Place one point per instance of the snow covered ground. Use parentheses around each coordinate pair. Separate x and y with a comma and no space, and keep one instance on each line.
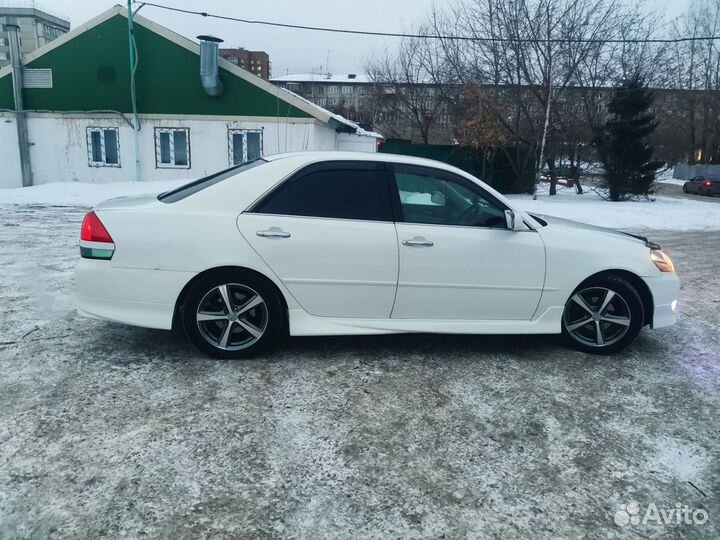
(664,213)
(82,193)
(112,431)
(666,177)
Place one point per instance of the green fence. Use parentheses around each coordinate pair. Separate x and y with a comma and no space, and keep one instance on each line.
(494,166)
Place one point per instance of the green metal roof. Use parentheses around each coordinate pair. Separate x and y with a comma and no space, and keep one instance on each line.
(90,68)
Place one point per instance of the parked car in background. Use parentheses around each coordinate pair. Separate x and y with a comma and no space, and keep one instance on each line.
(335,243)
(703,185)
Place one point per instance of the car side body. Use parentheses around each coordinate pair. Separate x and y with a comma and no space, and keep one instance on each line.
(702,185)
(339,276)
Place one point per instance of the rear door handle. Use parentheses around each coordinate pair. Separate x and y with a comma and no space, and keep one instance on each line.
(418,241)
(273,232)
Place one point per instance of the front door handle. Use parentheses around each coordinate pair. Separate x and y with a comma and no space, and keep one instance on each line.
(418,241)
(273,232)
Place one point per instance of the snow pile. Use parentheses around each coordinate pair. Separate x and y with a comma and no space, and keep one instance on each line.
(664,213)
(82,194)
(666,177)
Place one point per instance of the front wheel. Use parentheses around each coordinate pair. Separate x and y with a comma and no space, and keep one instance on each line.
(603,316)
(233,314)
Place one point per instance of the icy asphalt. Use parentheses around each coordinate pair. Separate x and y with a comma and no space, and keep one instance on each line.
(109,431)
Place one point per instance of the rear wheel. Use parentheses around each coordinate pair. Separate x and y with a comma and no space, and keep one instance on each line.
(603,316)
(685,190)
(233,314)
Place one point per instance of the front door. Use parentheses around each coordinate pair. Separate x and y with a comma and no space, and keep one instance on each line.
(327,233)
(458,260)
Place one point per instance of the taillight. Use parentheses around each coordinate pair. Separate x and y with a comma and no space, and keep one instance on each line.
(95,240)
(708,184)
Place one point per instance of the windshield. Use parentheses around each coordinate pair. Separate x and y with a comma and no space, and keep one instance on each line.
(198,185)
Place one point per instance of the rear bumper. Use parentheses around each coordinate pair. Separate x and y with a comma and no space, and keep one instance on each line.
(127,295)
(665,290)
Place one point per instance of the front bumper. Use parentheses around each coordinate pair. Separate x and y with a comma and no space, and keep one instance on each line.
(665,290)
(127,295)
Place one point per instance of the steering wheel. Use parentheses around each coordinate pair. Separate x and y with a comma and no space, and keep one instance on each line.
(466,215)
(481,218)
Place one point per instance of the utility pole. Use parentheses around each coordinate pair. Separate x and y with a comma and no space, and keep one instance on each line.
(20,118)
(133,68)
(546,124)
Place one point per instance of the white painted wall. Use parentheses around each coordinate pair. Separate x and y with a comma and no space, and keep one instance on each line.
(351,142)
(59,149)
(9,157)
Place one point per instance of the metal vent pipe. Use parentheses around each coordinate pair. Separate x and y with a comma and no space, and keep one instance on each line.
(209,76)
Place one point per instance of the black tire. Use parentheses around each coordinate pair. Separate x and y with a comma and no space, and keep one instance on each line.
(625,303)
(685,188)
(239,287)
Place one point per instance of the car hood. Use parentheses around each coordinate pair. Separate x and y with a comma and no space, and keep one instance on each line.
(569,223)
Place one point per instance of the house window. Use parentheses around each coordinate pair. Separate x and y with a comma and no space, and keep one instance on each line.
(347,89)
(51,31)
(3,56)
(362,90)
(244,145)
(172,148)
(332,90)
(233,59)
(103,147)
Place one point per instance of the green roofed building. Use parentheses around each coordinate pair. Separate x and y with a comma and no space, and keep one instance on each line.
(79,110)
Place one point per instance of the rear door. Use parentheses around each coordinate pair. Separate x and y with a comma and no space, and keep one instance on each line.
(328,234)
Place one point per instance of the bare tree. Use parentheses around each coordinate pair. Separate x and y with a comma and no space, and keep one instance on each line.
(694,66)
(406,91)
(528,54)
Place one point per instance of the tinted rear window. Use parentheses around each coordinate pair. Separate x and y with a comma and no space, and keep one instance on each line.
(198,185)
(343,190)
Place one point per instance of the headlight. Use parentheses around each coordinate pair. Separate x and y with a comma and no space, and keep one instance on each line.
(662,261)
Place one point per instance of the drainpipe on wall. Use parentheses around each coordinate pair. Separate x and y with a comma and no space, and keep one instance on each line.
(133,68)
(20,118)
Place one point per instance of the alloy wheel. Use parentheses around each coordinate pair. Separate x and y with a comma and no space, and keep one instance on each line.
(232,317)
(597,317)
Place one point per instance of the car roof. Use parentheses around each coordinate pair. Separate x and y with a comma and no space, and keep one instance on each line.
(337,155)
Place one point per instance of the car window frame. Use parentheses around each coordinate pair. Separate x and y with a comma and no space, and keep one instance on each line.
(386,206)
(442,175)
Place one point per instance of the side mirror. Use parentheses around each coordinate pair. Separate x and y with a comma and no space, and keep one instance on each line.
(511,222)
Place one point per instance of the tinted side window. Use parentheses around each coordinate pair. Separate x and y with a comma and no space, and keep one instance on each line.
(344,192)
(439,199)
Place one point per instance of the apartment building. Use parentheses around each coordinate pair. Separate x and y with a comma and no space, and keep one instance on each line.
(37,27)
(256,62)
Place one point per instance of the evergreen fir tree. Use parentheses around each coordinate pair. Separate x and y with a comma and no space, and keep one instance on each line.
(622,141)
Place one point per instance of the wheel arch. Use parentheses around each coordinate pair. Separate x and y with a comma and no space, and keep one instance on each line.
(636,281)
(179,303)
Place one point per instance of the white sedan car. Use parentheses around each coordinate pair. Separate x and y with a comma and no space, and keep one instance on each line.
(338,243)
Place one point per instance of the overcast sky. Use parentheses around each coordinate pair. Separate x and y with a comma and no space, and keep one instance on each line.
(293,51)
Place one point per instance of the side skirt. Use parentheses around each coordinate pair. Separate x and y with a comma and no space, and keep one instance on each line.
(303,324)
